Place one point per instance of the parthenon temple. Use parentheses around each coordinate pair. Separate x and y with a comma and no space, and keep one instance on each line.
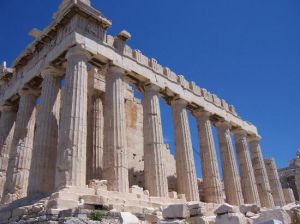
(71,127)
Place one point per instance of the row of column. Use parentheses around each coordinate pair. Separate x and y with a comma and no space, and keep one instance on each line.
(57,156)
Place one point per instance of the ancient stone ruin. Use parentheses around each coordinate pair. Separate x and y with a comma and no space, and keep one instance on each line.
(74,139)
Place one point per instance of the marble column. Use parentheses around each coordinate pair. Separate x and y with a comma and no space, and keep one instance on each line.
(248,183)
(260,173)
(7,125)
(95,153)
(72,137)
(232,184)
(185,166)
(115,165)
(288,195)
(212,186)
(274,181)
(154,171)
(21,148)
(42,175)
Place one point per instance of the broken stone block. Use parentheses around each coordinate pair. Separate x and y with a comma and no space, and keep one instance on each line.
(173,222)
(231,218)
(128,218)
(152,218)
(196,209)
(197,220)
(276,214)
(181,196)
(225,209)
(174,211)
(98,184)
(249,208)
(136,190)
(272,222)
(173,194)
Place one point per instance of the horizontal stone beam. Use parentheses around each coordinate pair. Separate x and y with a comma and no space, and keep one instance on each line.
(106,53)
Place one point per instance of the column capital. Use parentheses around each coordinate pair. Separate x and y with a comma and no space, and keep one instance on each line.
(78,51)
(52,71)
(222,124)
(179,101)
(203,114)
(254,138)
(151,86)
(239,132)
(113,69)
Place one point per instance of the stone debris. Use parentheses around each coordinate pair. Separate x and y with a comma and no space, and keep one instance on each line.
(275,214)
(128,218)
(196,208)
(54,149)
(176,211)
(249,208)
(231,218)
(225,209)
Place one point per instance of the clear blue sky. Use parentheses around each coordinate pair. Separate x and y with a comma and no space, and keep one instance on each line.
(247,52)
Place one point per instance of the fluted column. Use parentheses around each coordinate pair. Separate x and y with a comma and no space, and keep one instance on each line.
(7,123)
(275,184)
(71,155)
(289,195)
(115,167)
(154,171)
(42,176)
(212,186)
(232,184)
(248,183)
(185,166)
(21,148)
(97,126)
(260,173)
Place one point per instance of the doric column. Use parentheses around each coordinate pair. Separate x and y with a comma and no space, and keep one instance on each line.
(21,148)
(71,155)
(289,195)
(42,175)
(154,171)
(232,184)
(95,153)
(185,166)
(275,184)
(115,167)
(260,173)
(7,123)
(248,183)
(212,186)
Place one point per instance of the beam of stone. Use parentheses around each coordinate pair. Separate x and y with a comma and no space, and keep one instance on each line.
(248,183)
(288,195)
(7,125)
(154,171)
(21,148)
(185,166)
(95,153)
(212,186)
(71,155)
(115,165)
(42,175)
(260,173)
(232,184)
(275,184)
